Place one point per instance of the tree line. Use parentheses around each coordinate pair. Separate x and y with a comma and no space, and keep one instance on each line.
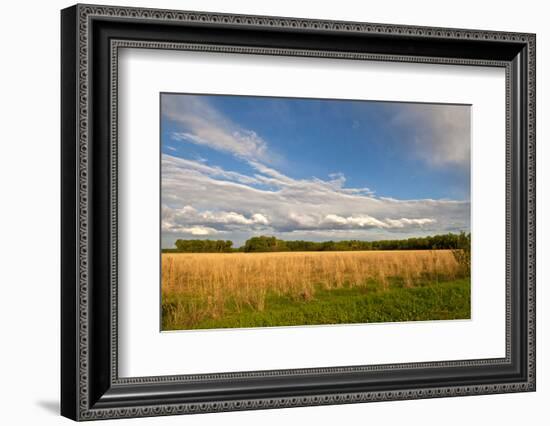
(202,246)
(261,244)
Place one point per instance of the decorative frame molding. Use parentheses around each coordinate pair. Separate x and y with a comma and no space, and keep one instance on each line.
(91,37)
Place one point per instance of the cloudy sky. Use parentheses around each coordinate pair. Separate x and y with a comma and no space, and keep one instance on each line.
(238,166)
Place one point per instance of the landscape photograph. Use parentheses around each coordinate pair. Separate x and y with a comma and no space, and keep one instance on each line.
(300,212)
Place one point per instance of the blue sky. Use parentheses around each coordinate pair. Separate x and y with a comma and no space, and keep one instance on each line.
(237,166)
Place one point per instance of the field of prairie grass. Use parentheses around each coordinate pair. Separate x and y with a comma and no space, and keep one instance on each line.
(220,290)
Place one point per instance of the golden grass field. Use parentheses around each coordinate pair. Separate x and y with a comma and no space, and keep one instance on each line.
(208,285)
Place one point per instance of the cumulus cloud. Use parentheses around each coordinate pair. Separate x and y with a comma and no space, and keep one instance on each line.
(213,200)
(196,231)
(401,223)
(188,220)
(440,133)
(365,221)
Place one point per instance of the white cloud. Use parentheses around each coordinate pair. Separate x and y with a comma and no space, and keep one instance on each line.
(260,219)
(232,218)
(440,133)
(365,221)
(200,199)
(362,221)
(202,125)
(201,168)
(184,220)
(401,223)
(197,194)
(196,231)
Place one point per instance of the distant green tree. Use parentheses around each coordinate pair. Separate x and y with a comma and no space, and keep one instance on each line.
(264,244)
(459,243)
(463,252)
(204,246)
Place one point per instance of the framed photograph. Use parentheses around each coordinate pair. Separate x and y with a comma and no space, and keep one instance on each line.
(263,212)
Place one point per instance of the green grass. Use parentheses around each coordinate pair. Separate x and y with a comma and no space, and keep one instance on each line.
(366,304)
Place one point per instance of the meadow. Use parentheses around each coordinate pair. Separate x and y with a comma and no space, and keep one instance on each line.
(220,290)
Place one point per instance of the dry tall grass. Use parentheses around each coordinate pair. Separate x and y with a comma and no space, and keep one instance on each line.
(206,284)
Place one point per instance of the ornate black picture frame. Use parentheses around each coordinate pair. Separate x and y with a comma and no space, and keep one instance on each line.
(91,387)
